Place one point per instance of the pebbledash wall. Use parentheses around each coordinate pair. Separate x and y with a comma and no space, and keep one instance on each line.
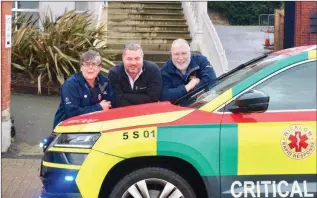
(5,81)
(303,10)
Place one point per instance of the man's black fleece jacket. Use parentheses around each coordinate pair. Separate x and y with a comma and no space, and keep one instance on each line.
(147,88)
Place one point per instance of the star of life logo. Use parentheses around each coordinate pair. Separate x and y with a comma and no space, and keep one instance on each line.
(298,141)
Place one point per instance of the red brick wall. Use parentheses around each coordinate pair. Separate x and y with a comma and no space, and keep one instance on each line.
(5,59)
(302,30)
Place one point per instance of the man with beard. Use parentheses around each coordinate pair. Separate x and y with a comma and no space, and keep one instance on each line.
(135,81)
(185,72)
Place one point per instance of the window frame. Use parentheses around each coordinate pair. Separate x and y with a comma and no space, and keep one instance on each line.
(16,10)
(261,81)
(81,11)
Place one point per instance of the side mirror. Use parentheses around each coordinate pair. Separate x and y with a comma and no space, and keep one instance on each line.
(252,101)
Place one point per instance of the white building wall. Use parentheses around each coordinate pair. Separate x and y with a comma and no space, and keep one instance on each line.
(57,8)
(94,7)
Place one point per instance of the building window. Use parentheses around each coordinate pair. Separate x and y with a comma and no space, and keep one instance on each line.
(81,6)
(26,8)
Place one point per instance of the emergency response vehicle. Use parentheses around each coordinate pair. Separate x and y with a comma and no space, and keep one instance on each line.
(252,133)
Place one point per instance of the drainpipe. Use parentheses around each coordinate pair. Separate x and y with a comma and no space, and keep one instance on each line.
(289,24)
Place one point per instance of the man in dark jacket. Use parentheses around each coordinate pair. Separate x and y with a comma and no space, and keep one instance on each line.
(85,92)
(185,72)
(135,81)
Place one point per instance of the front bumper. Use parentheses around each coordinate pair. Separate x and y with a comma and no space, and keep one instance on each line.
(59,170)
(45,194)
(75,171)
(81,175)
(59,182)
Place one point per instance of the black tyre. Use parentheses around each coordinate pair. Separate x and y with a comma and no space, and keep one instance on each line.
(152,183)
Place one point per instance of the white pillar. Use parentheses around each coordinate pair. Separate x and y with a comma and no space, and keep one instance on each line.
(5,130)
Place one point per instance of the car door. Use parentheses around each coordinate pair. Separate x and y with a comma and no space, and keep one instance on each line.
(273,153)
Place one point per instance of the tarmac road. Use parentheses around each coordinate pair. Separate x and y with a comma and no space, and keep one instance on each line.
(33,119)
(241,43)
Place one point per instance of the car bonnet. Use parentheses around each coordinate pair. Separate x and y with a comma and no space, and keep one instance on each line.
(124,117)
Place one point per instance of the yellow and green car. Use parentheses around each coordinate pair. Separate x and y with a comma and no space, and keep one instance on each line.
(252,133)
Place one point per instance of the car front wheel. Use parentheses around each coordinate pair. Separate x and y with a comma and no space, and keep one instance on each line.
(152,183)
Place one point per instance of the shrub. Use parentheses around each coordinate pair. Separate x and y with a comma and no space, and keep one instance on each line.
(244,12)
(52,54)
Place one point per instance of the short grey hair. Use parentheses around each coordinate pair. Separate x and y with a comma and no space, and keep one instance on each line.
(90,55)
(132,47)
(180,43)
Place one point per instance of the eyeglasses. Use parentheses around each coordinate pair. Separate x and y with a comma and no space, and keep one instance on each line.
(93,64)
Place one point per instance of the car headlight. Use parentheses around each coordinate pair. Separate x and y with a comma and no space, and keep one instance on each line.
(76,140)
(47,141)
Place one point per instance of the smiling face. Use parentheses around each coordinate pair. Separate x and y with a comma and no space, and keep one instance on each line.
(180,56)
(133,61)
(90,69)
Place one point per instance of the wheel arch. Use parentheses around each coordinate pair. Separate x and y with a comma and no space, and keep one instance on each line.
(188,172)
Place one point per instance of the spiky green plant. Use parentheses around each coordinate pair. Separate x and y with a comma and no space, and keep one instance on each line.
(22,57)
(52,54)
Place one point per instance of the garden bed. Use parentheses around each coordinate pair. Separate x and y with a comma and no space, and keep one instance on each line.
(21,83)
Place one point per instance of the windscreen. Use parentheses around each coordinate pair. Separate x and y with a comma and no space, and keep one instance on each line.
(215,89)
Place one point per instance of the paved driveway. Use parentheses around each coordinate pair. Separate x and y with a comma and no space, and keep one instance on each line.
(20,178)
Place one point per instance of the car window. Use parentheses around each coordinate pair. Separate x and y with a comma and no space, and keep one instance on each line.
(215,89)
(292,89)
